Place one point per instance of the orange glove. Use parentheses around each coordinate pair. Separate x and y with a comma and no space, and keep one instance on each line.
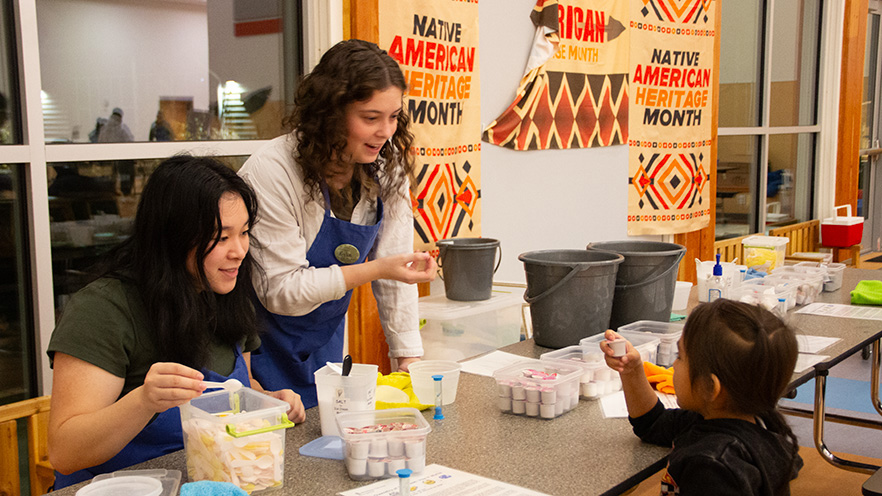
(660,378)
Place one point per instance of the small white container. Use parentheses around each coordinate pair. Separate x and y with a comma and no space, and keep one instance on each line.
(681,295)
(834,274)
(335,393)
(424,386)
(385,431)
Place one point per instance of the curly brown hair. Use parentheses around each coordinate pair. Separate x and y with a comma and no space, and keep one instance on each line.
(350,71)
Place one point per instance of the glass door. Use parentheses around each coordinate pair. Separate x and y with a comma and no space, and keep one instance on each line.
(869,203)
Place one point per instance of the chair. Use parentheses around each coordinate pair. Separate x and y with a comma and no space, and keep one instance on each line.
(42,475)
(730,249)
(873,486)
(805,237)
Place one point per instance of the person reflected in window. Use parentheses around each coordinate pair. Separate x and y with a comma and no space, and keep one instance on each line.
(93,134)
(160,130)
(115,131)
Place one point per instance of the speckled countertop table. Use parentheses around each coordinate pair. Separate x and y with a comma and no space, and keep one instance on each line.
(579,452)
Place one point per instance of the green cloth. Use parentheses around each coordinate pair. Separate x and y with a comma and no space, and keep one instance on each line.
(105,324)
(867,293)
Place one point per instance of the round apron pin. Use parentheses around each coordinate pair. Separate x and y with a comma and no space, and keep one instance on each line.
(346,254)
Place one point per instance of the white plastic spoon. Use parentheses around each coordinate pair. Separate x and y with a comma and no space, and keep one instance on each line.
(231,385)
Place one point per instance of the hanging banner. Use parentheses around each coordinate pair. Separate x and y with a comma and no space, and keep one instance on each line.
(436,44)
(574,93)
(672,60)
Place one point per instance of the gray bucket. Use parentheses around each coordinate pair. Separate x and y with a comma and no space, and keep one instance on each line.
(468,267)
(570,293)
(646,280)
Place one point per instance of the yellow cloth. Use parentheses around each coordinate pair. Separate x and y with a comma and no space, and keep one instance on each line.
(660,378)
(399,380)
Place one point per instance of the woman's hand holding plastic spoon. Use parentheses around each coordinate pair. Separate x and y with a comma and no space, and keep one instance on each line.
(231,385)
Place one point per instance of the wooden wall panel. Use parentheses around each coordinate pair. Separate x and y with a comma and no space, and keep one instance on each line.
(851,93)
(700,244)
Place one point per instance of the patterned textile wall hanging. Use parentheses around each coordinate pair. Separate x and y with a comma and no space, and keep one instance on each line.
(672,60)
(574,93)
(436,44)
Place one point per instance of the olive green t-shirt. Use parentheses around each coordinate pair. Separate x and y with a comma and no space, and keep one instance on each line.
(105,324)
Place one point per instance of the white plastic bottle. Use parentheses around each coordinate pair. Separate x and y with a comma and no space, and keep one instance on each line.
(716,284)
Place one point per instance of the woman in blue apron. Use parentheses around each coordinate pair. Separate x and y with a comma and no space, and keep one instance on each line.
(336,213)
(170,310)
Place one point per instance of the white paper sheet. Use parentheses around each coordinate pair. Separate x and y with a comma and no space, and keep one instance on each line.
(491,362)
(440,480)
(844,311)
(805,361)
(814,344)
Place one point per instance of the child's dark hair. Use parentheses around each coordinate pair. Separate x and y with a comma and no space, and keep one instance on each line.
(752,353)
(179,214)
(350,71)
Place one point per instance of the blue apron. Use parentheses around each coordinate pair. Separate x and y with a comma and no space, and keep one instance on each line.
(294,347)
(161,436)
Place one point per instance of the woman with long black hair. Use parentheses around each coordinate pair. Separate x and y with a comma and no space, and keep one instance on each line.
(170,309)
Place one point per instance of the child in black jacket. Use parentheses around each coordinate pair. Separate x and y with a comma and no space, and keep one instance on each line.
(735,361)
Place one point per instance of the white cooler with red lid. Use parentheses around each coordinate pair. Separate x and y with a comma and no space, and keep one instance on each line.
(842,231)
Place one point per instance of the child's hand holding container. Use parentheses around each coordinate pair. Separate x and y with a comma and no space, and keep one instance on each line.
(619,354)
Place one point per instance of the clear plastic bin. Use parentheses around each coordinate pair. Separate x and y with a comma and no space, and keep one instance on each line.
(766,293)
(808,285)
(668,334)
(646,344)
(236,437)
(537,388)
(596,380)
(834,274)
(378,443)
(764,252)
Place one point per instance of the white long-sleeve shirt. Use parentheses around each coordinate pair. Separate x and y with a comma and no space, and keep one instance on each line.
(288,222)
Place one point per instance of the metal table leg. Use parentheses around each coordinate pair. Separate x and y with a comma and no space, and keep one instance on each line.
(820,394)
(874,380)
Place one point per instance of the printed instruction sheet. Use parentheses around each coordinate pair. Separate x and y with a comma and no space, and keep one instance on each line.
(440,480)
(844,311)
(491,362)
(813,344)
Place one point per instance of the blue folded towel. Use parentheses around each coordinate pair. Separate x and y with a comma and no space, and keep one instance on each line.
(211,488)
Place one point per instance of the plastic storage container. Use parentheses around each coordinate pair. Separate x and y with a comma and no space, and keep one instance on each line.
(646,344)
(808,284)
(537,388)
(156,482)
(455,330)
(380,442)
(764,252)
(335,393)
(834,276)
(766,293)
(596,380)
(668,334)
(236,437)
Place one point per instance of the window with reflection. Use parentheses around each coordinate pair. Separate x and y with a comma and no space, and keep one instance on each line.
(17,369)
(789,189)
(161,70)
(736,185)
(796,38)
(741,58)
(92,208)
(10,112)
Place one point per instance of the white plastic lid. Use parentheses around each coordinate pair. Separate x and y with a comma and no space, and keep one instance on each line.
(134,485)
(765,241)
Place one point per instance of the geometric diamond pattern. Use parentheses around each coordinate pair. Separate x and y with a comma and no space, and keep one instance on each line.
(444,202)
(669,181)
(565,110)
(686,12)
